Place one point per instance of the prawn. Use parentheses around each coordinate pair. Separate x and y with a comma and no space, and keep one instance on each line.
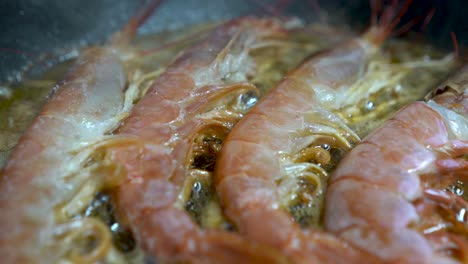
(390,195)
(155,146)
(43,171)
(280,153)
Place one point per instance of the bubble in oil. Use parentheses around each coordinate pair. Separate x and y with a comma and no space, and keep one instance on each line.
(247,100)
(398,88)
(458,188)
(461,215)
(326,146)
(5,92)
(102,208)
(369,105)
(197,187)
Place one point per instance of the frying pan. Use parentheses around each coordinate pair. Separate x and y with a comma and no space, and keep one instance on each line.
(31,28)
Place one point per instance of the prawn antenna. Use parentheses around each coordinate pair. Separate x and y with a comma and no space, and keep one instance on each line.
(428,19)
(406,26)
(322,16)
(390,17)
(414,21)
(315,6)
(130,30)
(376,8)
(455,46)
(273,9)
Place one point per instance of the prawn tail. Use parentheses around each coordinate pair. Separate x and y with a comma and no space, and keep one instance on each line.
(130,29)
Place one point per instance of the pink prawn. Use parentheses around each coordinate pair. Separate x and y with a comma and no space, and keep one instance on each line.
(36,178)
(277,154)
(155,146)
(388,195)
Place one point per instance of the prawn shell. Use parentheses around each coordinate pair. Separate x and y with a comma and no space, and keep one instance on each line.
(32,182)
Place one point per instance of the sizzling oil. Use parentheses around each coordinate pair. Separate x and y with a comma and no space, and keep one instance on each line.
(20,103)
(373,111)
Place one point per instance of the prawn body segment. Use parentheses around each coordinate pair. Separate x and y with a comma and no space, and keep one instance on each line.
(387,195)
(190,98)
(45,175)
(78,112)
(279,155)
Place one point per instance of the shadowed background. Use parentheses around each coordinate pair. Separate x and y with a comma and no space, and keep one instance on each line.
(29,28)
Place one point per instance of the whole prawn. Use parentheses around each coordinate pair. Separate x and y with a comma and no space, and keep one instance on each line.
(155,146)
(38,176)
(281,151)
(389,194)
